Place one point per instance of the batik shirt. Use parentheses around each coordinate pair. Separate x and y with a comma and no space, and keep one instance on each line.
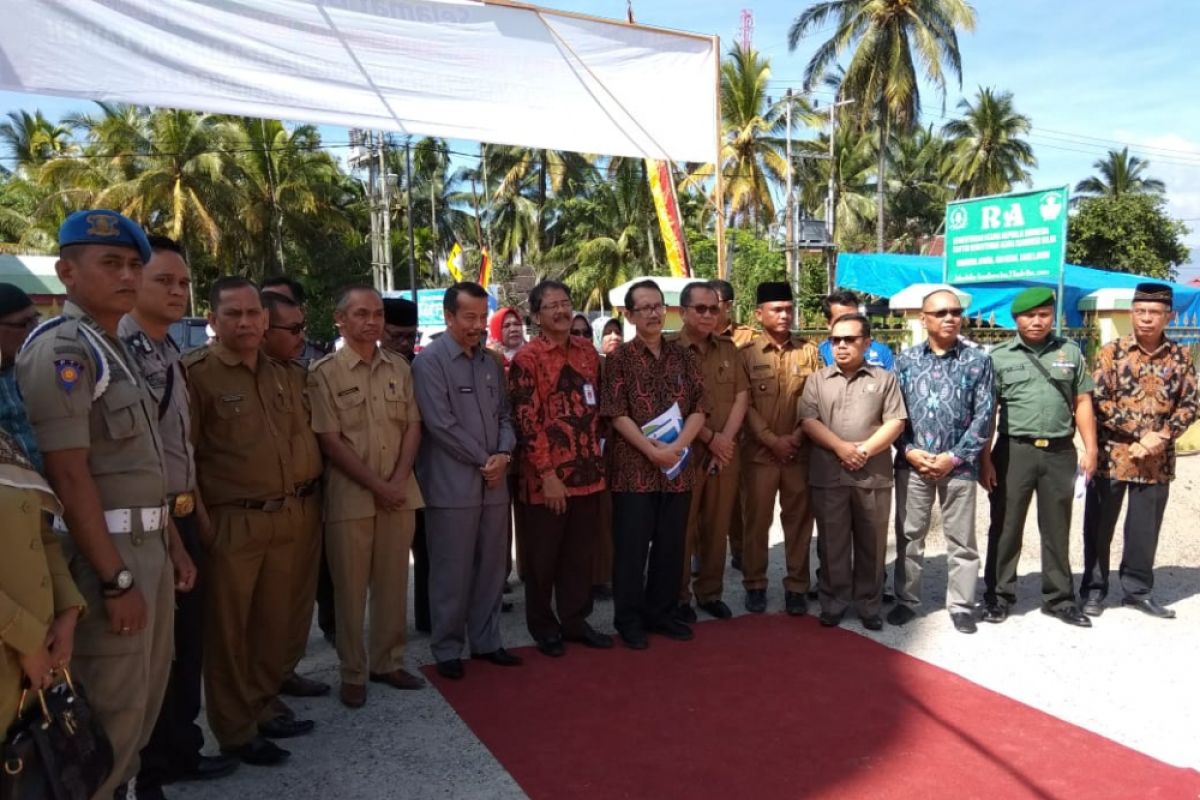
(14,419)
(950,400)
(1136,393)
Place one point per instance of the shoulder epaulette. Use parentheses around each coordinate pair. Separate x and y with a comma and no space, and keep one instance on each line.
(314,365)
(192,357)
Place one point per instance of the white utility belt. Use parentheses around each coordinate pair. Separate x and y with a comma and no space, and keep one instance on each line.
(120,520)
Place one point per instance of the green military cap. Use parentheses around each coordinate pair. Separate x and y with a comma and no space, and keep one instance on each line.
(1031,298)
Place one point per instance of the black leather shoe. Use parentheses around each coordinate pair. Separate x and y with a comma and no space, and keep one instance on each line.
(901,615)
(1148,605)
(284,728)
(716,609)
(888,598)
(500,657)
(634,640)
(795,603)
(592,638)
(210,767)
(874,623)
(601,592)
(1093,606)
(995,613)
(685,613)
(452,669)
(673,629)
(963,622)
(756,600)
(1069,614)
(829,619)
(506,607)
(552,646)
(736,563)
(259,752)
(299,686)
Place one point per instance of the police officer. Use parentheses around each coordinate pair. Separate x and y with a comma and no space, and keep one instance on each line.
(776,457)
(174,749)
(245,412)
(366,420)
(96,426)
(1043,391)
(726,398)
(284,342)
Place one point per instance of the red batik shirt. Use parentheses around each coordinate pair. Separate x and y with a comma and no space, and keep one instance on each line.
(555,394)
(639,386)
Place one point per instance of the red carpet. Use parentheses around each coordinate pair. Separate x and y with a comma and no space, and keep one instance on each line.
(772,707)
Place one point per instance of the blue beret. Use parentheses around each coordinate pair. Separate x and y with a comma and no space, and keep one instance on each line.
(1031,298)
(101,226)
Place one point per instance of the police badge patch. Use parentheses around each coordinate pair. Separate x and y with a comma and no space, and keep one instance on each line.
(69,371)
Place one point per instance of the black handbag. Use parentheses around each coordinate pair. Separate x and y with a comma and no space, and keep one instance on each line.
(55,748)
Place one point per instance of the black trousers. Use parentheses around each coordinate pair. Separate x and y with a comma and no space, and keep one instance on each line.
(420,551)
(1143,520)
(649,530)
(175,745)
(557,557)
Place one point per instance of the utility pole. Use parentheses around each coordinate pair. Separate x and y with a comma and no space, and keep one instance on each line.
(790,245)
(412,247)
(831,199)
(387,282)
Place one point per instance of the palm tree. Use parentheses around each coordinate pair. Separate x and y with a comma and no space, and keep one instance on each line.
(32,140)
(538,175)
(1120,173)
(917,187)
(853,167)
(882,77)
(752,129)
(989,153)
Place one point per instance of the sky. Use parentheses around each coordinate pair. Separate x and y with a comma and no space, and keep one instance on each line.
(1092,75)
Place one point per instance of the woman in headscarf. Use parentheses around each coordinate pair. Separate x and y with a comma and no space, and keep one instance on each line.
(580,326)
(39,602)
(611,336)
(506,333)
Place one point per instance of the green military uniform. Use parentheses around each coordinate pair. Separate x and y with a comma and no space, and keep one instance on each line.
(1035,451)
(243,424)
(83,391)
(35,585)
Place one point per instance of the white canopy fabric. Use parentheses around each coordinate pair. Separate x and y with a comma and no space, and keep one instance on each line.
(485,71)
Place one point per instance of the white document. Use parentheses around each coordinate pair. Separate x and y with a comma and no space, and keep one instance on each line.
(666,428)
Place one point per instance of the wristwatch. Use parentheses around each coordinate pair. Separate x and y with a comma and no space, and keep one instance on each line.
(121,583)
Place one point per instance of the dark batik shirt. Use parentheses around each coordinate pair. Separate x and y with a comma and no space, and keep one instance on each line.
(639,386)
(14,419)
(555,395)
(950,401)
(1138,392)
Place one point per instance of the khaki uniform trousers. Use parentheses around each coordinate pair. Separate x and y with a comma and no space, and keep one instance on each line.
(370,556)
(125,676)
(247,617)
(853,547)
(713,499)
(762,482)
(306,567)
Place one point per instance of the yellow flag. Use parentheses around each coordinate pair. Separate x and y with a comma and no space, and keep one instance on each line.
(454,263)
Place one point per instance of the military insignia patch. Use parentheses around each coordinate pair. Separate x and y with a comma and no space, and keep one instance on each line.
(69,372)
(103,225)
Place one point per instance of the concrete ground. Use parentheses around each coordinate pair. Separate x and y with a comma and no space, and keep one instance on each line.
(1130,678)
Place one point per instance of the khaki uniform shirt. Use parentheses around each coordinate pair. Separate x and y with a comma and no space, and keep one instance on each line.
(741,335)
(307,461)
(777,376)
(372,406)
(158,363)
(243,423)
(724,375)
(853,407)
(83,391)
(1029,405)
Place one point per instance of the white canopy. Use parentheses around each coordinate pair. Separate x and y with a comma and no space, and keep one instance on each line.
(493,71)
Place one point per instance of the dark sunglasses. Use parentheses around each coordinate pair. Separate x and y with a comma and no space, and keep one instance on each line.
(942,313)
(836,340)
(705,311)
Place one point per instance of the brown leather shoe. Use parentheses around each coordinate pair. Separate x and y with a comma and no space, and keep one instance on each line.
(299,686)
(354,695)
(398,679)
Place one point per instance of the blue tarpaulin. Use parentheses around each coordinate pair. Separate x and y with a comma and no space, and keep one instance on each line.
(885,274)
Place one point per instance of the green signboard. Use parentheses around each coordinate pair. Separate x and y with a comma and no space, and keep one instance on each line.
(1009,237)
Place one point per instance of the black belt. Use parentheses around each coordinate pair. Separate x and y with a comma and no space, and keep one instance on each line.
(1045,442)
(275,504)
(307,489)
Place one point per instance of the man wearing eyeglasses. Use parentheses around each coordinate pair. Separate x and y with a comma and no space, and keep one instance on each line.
(778,365)
(726,397)
(853,412)
(18,317)
(285,343)
(947,388)
(1145,399)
